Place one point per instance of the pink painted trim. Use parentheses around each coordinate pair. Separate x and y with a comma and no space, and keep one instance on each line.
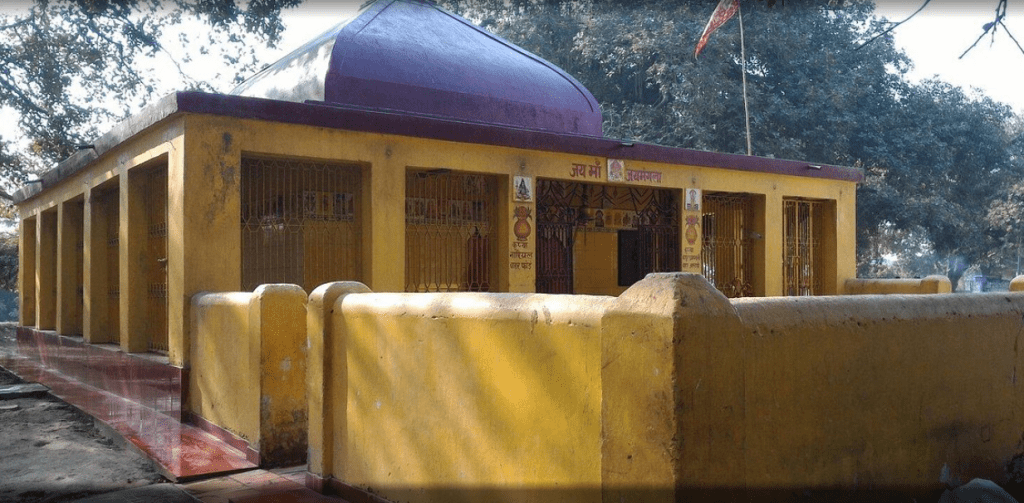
(351,493)
(251,455)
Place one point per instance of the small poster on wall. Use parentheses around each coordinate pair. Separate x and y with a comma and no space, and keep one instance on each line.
(522,189)
(616,168)
(692,199)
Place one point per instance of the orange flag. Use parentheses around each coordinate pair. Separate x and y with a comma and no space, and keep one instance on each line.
(726,9)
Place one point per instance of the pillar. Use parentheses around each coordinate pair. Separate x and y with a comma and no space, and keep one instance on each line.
(46,270)
(27,273)
(100,213)
(69,267)
(132,256)
(204,234)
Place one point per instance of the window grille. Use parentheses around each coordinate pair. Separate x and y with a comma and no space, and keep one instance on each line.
(558,205)
(450,222)
(300,222)
(802,248)
(727,248)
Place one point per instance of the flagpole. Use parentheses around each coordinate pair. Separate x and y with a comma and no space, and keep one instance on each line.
(743,57)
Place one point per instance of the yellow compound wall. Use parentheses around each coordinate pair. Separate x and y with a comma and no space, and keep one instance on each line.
(668,391)
(249,368)
(461,397)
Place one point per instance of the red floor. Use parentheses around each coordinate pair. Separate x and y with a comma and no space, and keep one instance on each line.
(150,420)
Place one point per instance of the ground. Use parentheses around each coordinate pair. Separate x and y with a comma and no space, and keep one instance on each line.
(51,452)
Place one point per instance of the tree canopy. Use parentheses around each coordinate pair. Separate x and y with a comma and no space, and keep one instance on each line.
(68,66)
(937,160)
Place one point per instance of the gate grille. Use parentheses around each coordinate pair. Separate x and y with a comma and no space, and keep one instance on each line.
(802,260)
(300,222)
(156,213)
(726,252)
(646,220)
(450,221)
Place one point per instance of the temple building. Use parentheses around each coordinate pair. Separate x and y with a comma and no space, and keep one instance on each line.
(412,151)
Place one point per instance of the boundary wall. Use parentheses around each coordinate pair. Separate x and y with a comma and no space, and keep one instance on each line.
(456,397)
(929,284)
(668,392)
(249,369)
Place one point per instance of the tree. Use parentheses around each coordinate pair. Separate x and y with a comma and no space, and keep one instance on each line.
(934,158)
(69,66)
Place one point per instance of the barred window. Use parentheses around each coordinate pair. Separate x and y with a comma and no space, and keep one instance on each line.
(301,222)
(450,231)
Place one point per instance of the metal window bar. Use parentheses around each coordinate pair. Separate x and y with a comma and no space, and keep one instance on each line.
(558,205)
(727,248)
(659,232)
(450,231)
(802,238)
(155,186)
(300,222)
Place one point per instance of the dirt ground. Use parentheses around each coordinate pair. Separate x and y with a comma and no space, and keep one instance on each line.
(51,452)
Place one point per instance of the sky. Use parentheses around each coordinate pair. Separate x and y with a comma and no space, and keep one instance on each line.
(935,39)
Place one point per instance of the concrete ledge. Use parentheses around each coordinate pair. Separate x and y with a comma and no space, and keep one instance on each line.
(926,285)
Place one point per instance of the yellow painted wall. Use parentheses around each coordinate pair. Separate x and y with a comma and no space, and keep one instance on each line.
(783,396)
(46,270)
(110,172)
(596,261)
(929,284)
(468,397)
(326,375)
(672,375)
(249,368)
(670,391)
(390,156)
(223,383)
(202,155)
(278,315)
(69,267)
(27,272)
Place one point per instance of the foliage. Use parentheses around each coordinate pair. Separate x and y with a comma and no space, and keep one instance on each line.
(8,262)
(935,158)
(65,63)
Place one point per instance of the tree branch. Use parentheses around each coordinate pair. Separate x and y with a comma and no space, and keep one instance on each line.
(21,95)
(1000,14)
(1011,36)
(15,24)
(893,27)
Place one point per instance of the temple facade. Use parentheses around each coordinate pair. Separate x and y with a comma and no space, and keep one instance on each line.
(412,151)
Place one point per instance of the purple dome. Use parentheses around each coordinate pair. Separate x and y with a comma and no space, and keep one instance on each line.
(411,56)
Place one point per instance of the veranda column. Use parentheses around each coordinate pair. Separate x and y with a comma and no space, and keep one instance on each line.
(132,255)
(27,272)
(69,267)
(46,270)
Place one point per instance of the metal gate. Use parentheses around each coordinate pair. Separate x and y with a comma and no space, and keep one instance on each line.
(726,252)
(300,222)
(802,263)
(645,219)
(558,214)
(450,222)
(155,188)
